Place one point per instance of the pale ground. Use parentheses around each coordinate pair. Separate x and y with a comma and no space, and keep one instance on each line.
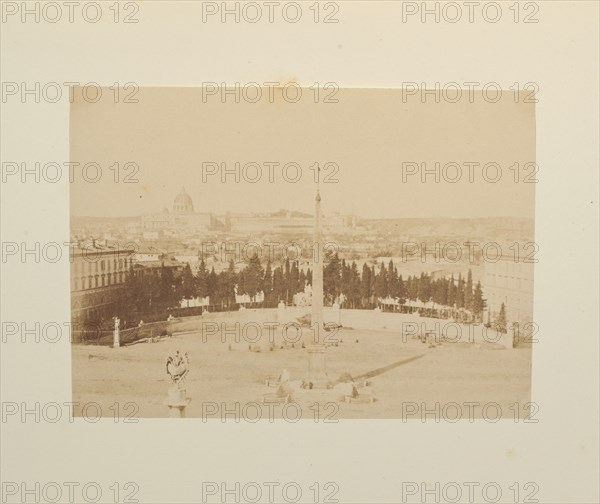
(221,379)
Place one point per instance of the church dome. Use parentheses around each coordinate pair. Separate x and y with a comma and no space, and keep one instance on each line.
(183,203)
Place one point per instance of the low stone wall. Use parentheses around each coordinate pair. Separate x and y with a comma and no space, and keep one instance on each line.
(406,326)
(412,325)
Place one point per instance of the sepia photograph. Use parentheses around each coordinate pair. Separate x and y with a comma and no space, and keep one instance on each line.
(299,252)
(356,251)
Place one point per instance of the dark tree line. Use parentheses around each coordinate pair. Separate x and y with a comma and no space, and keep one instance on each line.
(277,283)
(362,288)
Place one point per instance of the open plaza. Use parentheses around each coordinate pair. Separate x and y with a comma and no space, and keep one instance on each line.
(414,368)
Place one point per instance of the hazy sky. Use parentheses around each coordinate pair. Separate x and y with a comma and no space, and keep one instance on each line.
(369,134)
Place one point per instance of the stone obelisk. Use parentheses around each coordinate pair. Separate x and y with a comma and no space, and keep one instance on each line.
(317,275)
(316,352)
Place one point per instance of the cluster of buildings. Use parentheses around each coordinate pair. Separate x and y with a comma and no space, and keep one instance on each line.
(99,270)
(183,221)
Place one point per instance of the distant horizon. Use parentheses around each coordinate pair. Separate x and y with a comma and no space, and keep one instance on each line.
(499,217)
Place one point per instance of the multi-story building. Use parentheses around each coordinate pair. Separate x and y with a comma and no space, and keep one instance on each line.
(146,269)
(147,254)
(510,282)
(98,275)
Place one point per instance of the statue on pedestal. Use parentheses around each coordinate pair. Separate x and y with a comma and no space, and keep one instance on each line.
(116,335)
(177,367)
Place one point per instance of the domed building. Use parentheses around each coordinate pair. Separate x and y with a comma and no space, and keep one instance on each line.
(182,221)
(183,203)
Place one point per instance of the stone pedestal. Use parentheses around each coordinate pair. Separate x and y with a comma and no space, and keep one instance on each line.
(316,367)
(116,338)
(177,401)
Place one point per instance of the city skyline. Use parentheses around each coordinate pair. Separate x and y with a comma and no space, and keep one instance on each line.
(293,211)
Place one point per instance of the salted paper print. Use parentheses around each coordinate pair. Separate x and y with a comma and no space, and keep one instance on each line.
(303,253)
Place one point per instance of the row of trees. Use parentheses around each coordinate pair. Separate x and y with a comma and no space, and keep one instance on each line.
(361,289)
(144,294)
(147,293)
(277,283)
(381,281)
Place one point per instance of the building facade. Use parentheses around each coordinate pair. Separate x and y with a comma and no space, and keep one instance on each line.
(510,282)
(98,276)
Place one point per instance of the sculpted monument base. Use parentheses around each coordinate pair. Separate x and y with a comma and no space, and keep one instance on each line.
(177,401)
